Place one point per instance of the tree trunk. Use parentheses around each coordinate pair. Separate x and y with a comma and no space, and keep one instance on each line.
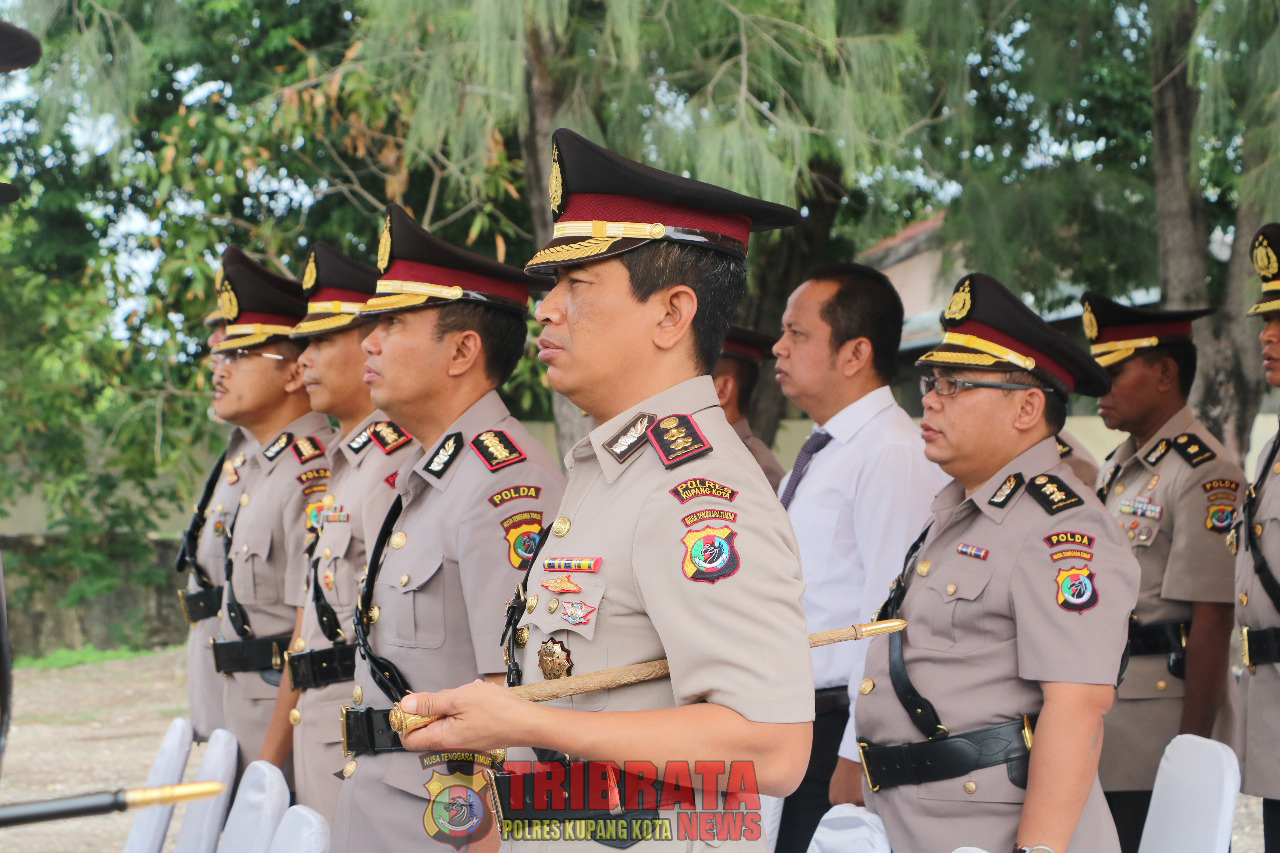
(1183,235)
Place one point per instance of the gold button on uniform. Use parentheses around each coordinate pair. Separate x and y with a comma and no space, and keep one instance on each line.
(244,549)
(1276,468)
(299,644)
(560,526)
(244,500)
(530,604)
(398,539)
(404,580)
(951,589)
(327,553)
(1119,488)
(374,612)
(329,500)
(522,636)
(1257,530)
(1161,684)
(295,716)
(218,508)
(348,769)
(970,787)
(922,568)
(552,605)
(357,694)
(1244,599)
(866,686)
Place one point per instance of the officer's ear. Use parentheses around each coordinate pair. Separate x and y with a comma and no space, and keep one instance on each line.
(854,356)
(292,376)
(726,387)
(679,303)
(466,351)
(1029,413)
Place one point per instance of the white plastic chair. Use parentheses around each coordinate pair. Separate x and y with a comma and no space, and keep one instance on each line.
(968,850)
(1194,798)
(303,830)
(150,824)
(259,805)
(204,818)
(847,828)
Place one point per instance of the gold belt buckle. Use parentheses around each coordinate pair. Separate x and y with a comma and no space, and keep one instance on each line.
(346,753)
(1244,649)
(182,603)
(1026,731)
(866,772)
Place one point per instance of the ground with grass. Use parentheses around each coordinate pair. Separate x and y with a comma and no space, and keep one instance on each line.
(96,726)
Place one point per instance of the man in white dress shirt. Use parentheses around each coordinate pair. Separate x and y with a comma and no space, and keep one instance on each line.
(858,496)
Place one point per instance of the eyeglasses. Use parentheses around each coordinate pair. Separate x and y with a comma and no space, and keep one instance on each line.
(218,359)
(949,386)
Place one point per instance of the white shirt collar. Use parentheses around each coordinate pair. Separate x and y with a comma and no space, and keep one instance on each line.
(847,422)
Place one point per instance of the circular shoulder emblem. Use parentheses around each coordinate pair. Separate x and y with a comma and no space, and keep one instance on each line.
(961,302)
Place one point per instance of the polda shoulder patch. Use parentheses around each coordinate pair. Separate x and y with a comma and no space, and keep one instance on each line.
(275,448)
(389,437)
(496,449)
(1192,449)
(677,440)
(1053,494)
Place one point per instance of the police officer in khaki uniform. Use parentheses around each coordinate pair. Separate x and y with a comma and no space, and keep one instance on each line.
(450,330)
(258,387)
(1017,598)
(201,554)
(360,488)
(669,541)
(1256,543)
(735,377)
(1174,491)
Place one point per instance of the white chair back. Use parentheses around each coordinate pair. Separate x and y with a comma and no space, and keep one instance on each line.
(259,804)
(1194,798)
(303,830)
(968,850)
(204,818)
(847,828)
(146,835)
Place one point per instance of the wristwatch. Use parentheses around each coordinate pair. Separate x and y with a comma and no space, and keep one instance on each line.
(1039,848)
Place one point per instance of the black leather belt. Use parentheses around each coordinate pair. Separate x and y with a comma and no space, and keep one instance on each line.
(1259,645)
(366,730)
(321,667)
(948,757)
(198,606)
(256,654)
(1163,638)
(830,700)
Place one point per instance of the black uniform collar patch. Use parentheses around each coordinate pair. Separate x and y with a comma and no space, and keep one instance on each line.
(444,455)
(1007,490)
(275,448)
(361,439)
(389,437)
(1157,453)
(496,449)
(677,440)
(629,439)
(1053,494)
(1064,449)
(308,448)
(1192,449)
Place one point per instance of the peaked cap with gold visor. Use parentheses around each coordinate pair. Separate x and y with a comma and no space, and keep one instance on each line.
(986,327)
(605,204)
(259,306)
(1264,249)
(1117,332)
(337,289)
(419,270)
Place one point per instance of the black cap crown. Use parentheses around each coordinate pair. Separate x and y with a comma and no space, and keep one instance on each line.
(1264,249)
(257,305)
(337,288)
(1116,332)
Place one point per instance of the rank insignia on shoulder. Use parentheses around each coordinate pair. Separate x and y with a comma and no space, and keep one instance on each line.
(361,439)
(308,448)
(972,551)
(627,440)
(677,440)
(389,437)
(444,455)
(277,447)
(1157,453)
(1064,449)
(1077,591)
(1053,494)
(496,449)
(1192,449)
(1007,490)
(1221,518)
(711,554)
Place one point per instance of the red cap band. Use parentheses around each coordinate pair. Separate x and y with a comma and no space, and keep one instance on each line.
(1176,329)
(995,336)
(401,270)
(625,208)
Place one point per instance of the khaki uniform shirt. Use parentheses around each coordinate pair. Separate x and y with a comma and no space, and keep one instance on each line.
(204,683)
(696,564)
(1257,694)
(1023,583)
(450,566)
(283,484)
(361,487)
(1174,498)
(769,464)
(1082,463)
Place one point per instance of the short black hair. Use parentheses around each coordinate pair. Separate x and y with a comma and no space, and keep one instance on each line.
(290,348)
(1183,354)
(502,334)
(1055,402)
(865,305)
(718,279)
(745,373)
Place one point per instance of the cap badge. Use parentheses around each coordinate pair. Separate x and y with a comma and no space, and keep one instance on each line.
(960,303)
(1264,259)
(555,184)
(309,274)
(384,246)
(227,302)
(1090,323)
